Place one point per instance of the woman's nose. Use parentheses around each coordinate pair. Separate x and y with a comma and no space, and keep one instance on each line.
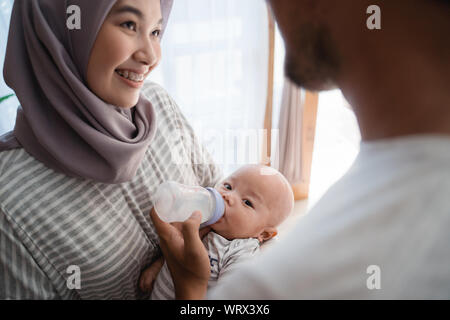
(148,54)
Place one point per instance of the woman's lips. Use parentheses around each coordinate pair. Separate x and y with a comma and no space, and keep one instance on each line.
(130,83)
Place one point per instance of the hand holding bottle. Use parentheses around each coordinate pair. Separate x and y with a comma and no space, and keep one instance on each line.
(185,254)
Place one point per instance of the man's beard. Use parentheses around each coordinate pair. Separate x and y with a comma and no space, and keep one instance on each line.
(312,61)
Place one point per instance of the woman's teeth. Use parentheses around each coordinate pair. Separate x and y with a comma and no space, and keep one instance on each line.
(131,75)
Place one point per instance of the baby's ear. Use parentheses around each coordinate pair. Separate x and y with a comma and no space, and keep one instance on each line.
(267,234)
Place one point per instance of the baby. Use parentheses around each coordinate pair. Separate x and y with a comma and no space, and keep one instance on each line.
(257,199)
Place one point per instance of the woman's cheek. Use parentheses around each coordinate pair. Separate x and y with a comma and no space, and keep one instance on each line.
(120,50)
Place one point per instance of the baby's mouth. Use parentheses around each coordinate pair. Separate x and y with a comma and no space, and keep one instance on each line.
(223,216)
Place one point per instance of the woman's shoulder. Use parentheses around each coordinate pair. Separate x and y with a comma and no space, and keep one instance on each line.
(164,105)
(169,116)
(155,93)
(19,169)
(15,160)
(25,180)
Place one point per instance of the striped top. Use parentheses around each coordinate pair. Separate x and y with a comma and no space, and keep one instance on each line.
(224,255)
(71,238)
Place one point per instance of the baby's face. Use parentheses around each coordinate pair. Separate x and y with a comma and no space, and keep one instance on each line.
(251,198)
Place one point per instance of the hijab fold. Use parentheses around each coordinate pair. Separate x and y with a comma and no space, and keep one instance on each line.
(60,121)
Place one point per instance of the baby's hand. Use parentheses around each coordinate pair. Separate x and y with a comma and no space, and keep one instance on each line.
(148,276)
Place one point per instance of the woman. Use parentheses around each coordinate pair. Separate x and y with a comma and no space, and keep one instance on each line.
(88,149)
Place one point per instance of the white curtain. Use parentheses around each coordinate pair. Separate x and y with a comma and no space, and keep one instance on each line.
(288,158)
(287,119)
(215,60)
(8,107)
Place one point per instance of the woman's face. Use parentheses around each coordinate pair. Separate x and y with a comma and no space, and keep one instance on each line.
(126,50)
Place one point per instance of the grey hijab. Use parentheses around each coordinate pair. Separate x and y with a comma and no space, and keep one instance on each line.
(60,121)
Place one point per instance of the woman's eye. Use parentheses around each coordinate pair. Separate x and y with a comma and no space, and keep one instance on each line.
(227,186)
(248,203)
(156,33)
(129,25)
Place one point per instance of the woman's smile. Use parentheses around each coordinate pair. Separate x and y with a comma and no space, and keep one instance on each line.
(130,78)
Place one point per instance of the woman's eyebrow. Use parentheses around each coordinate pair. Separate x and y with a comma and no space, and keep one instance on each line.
(130,9)
(135,11)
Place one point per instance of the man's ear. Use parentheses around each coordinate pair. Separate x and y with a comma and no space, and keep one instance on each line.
(267,234)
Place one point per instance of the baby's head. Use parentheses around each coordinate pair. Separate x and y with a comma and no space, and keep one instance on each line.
(257,199)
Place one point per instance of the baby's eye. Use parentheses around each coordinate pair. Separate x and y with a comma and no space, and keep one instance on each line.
(131,25)
(248,203)
(227,186)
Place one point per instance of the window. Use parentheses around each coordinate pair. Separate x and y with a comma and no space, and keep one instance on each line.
(8,107)
(215,67)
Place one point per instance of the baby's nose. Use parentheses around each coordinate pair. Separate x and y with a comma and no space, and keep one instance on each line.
(228,198)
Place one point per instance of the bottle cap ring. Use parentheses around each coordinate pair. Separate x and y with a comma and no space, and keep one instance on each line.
(218,210)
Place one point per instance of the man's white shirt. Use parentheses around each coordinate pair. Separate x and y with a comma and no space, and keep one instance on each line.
(381,232)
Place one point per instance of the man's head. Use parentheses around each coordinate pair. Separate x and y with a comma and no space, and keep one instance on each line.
(257,199)
(324,37)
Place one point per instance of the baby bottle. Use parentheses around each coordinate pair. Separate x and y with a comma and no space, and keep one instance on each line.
(176,202)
